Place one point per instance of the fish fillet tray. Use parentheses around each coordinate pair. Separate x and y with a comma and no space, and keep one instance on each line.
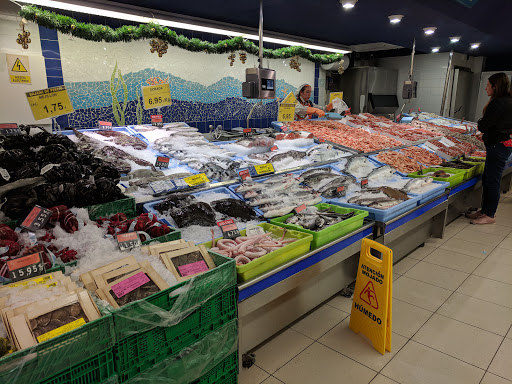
(381,215)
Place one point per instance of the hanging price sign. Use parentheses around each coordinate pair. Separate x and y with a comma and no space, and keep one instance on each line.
(49,102)
(9,129)
(162,162)
(335,95)
(229,229)
(286,112)
(156,96)
(105,125)
(36,219)
(128,240)
(26,267)
(263,169)
(290,99)
(195,180)
(157,120)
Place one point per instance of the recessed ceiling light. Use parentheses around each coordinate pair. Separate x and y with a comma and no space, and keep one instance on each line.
(475,45)
(394,19)
(429,30)
(455,39)
(348,4)
(435,49)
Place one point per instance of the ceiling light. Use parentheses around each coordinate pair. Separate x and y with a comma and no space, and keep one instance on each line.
(435,49)
(475,45)
(394,19)
(455,39)
(348,4)
(173,24)
(429,30)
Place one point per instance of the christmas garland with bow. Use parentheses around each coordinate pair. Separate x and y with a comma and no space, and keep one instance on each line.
(125,33)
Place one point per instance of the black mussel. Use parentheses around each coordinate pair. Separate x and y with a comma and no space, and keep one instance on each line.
(26,171)
(108,171)
(107,190)
(70,172)
(19,203)
(14,159)
(48,195)
(85,193)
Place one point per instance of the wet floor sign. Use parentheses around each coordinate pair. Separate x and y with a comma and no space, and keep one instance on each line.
(371,307)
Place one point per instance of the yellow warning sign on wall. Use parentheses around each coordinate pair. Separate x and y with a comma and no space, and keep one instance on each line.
(19,69)
(371,307)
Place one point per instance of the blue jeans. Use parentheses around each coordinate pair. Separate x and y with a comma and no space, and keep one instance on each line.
(497,156)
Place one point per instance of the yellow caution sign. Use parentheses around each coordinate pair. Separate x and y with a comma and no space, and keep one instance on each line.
(334,95)
(371,307)
(19,69)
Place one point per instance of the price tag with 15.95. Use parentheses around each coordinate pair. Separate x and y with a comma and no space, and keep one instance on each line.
(26,266)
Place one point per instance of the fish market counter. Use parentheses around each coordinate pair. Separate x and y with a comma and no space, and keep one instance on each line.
(270,302)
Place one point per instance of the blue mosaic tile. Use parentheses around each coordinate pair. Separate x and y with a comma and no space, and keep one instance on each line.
(55,82)
(52,63)
(50,49)
(47,34)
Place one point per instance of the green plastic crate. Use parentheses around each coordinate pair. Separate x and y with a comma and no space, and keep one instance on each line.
(126,206)
(96,370)
(43,361)
(141,351)
(224,373)
(331,233)
(456,179)
(479,166)
(275,258)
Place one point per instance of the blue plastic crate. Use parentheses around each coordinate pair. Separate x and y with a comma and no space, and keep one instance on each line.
(433,193)
(377,164)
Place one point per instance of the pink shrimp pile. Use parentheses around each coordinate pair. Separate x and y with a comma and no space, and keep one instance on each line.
(244,249)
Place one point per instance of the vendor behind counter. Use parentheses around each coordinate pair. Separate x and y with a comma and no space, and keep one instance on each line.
(305,108)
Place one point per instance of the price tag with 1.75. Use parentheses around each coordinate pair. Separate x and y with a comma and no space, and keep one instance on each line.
(26,267)
(49,102)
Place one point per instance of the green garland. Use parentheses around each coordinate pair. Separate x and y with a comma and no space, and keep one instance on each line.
(97,32)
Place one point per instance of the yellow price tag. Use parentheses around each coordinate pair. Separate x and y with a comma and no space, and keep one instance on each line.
(156,96)
(49,102)
(263,169)
(37,280)
(290,99)
(59,331)
(335,95)
(286,112)
(196,179)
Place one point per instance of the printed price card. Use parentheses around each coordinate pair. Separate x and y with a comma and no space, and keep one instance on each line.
(26,267)
(364,183)
(300,208)
(192,181)
(286,112)
(263,169)
(193,268)
(9,129)
(63,329)
(157,120)
(127,285)
(105,125)
(334,95)
(290,99)
(156,96)
(229,229)
(128,240)
(36,219)
(49,102)
(247,132)
(245,174)
(162,162)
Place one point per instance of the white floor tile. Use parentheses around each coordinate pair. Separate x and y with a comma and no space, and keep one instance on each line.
(342,303)
(504,220)
(404,265)
(319,364)
(495,229)
(490,378)
(506,244)
(495,271)
(436,275)
(253,375)
(502,363)
(272,380)
(435,241)
(379,379)
(469,248)
(359,348)
(501,255)
(421,252)
(462,341)
(475,236)
(407,318)
(462,221)
(415,292)
(488,290)
(509,334)
(281,349)
(396,276)
(482,314)
(320,321)
(418,364)
(451,231)
(453,260)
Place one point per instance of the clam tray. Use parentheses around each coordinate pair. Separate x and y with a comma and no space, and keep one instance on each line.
(275,258)
(479,166)
(454,180)
(330,233)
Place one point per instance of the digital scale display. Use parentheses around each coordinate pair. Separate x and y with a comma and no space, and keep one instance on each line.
(267,84)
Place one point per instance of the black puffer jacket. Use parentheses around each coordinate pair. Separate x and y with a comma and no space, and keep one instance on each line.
(496,124)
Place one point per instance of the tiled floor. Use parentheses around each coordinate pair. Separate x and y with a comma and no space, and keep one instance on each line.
(452,320)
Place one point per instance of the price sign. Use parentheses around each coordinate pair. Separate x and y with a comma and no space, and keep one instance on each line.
(229,229)
(9,129)
(128,240)
(247,132)
(274,148)
(321,140)
(300,208)
(36,219)
(364,183)
(157,120)
(290,99)
(105,125)
(286,112)
(26,267)
(245,174)
(340,191)
(49,102)
(156,96)
(263,169)
(192,181)
(335,95)
(162,162)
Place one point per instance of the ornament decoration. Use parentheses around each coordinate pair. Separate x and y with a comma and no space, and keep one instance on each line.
(231,59)
(340,67)
(23,37)
(73,27)
(295,64)
(128,33)
(159,46)
(243,57)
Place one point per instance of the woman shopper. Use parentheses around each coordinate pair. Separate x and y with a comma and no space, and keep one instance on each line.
(496,125)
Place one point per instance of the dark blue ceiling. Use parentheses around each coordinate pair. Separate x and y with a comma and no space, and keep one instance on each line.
(487,21)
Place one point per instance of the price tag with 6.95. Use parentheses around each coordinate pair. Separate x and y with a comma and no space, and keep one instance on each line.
(156,96)
(26,266)
(127,241)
